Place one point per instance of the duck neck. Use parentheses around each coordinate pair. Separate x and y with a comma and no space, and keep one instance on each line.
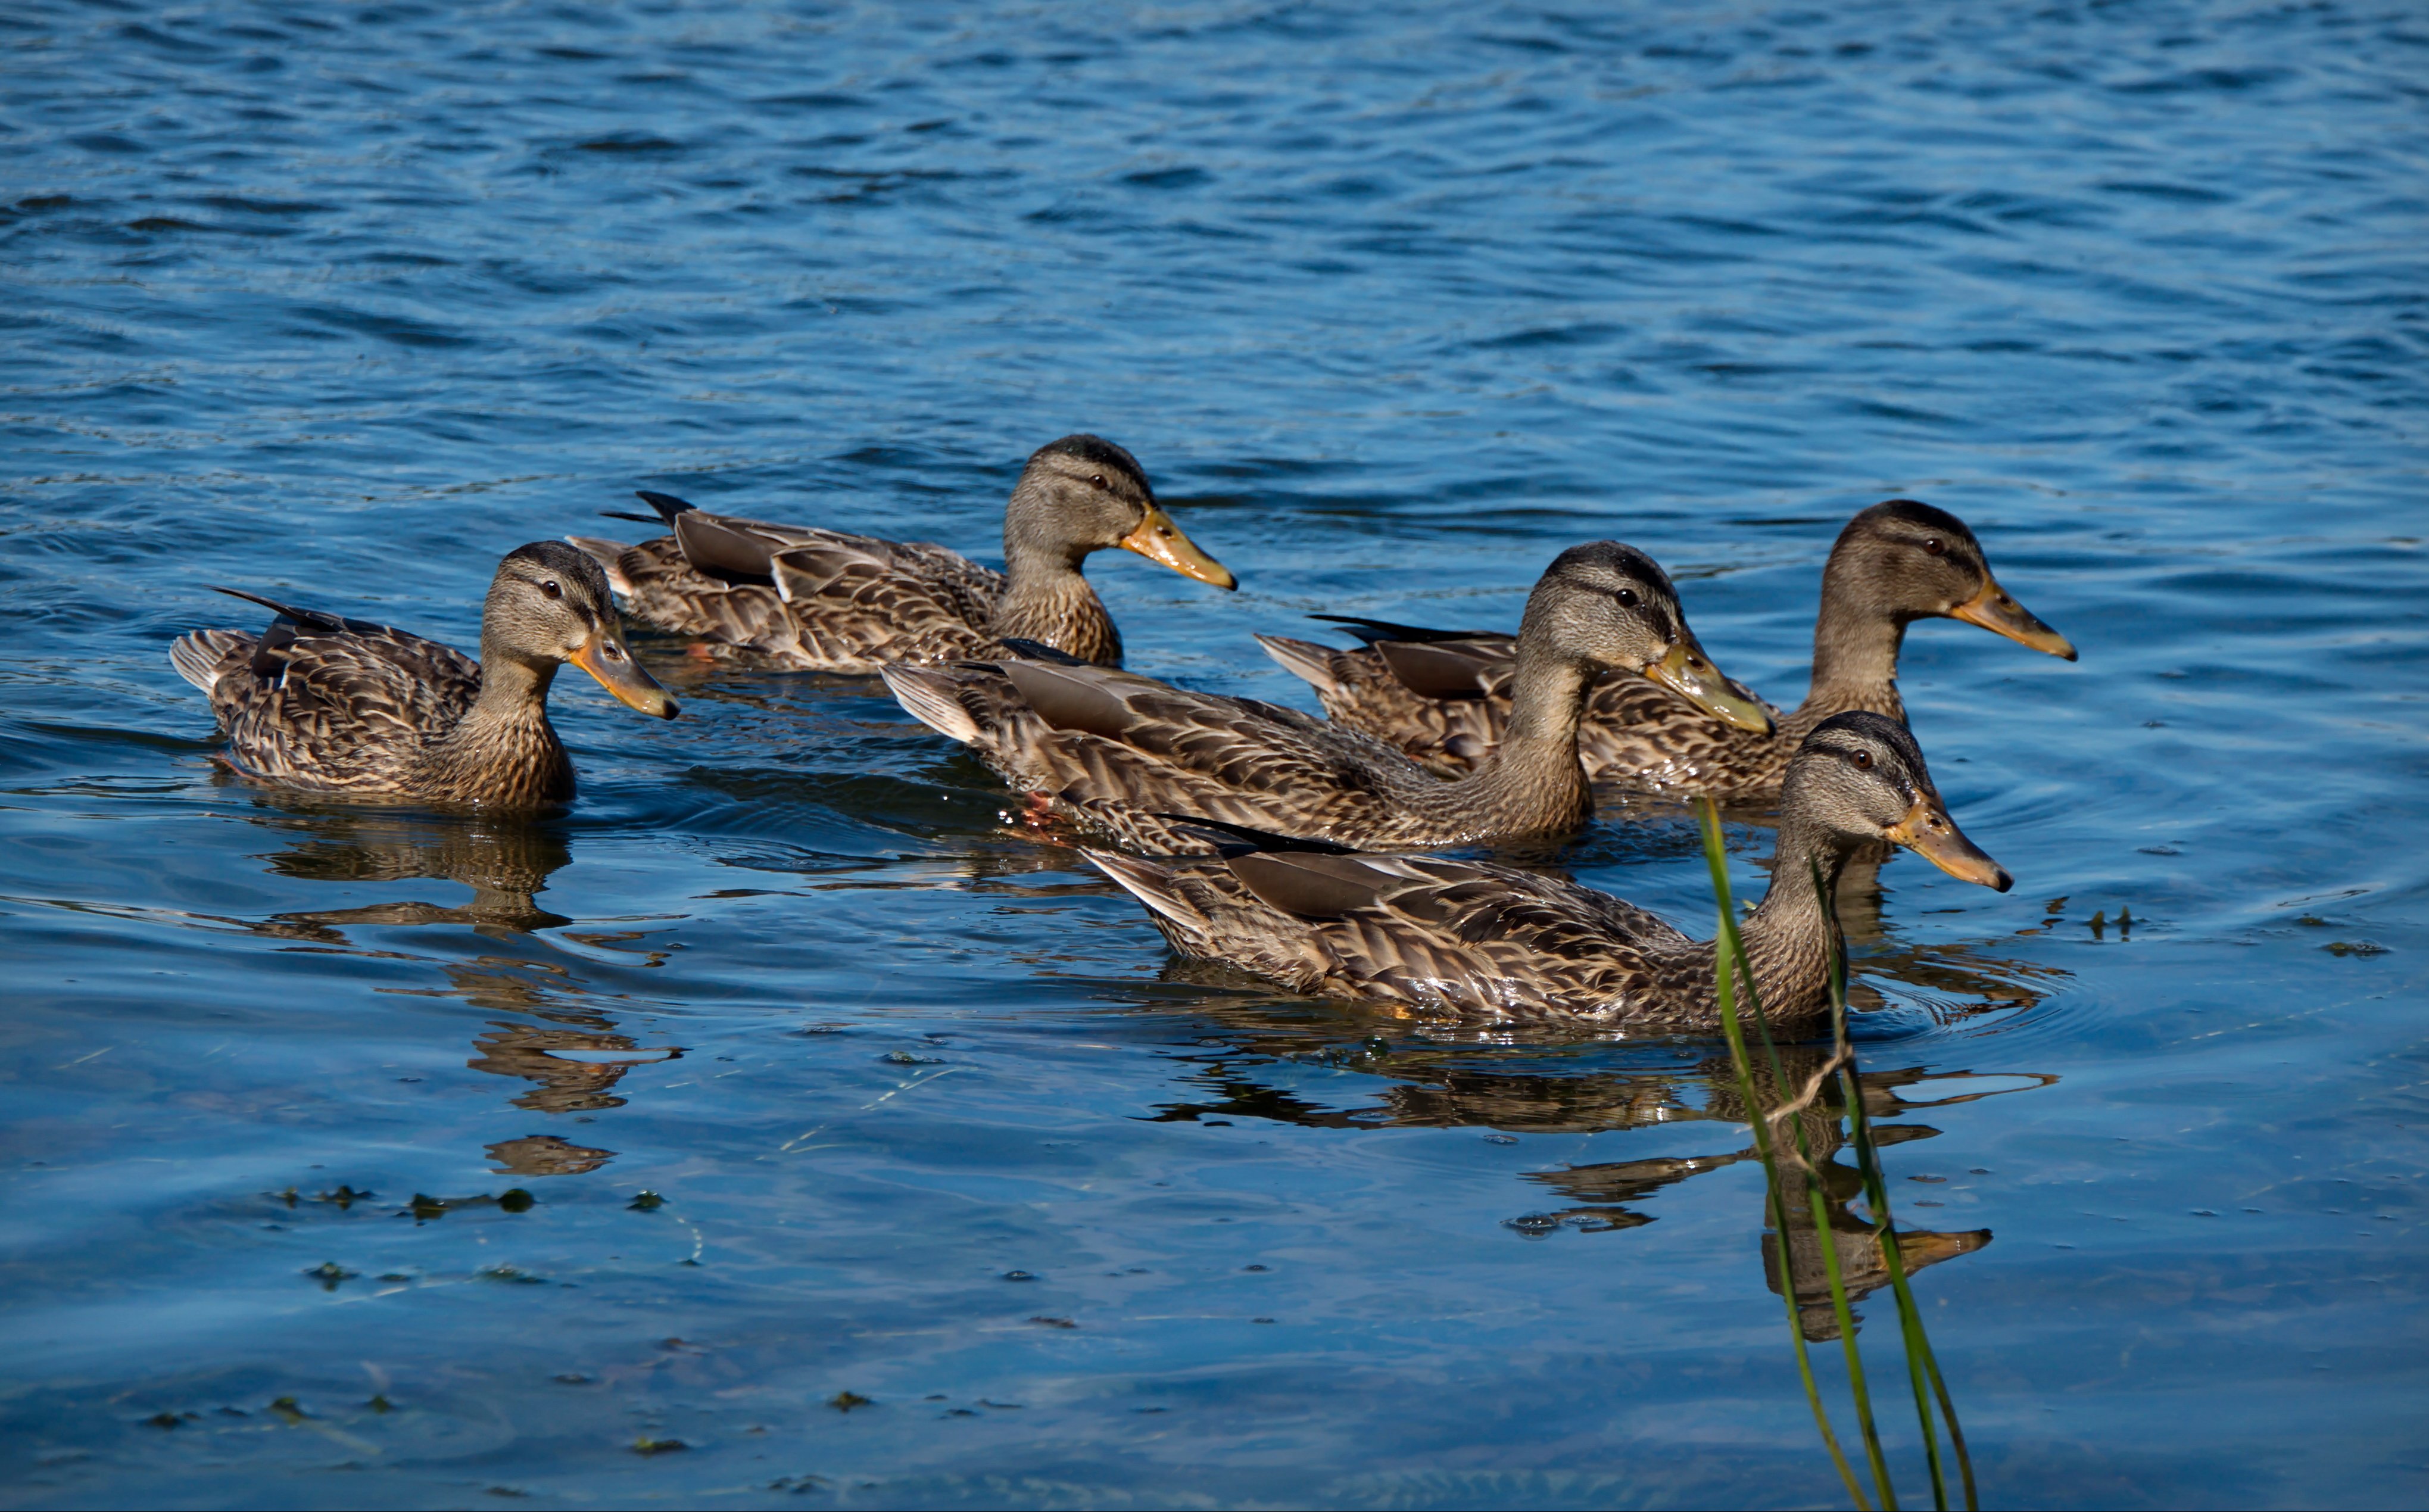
(1534,779)
(503,749)
(1855,656)
(1793,939)
(1047,599)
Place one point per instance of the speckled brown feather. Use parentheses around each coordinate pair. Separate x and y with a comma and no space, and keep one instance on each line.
(838,603)
(1471,938)
(1443,696)
(1149,749)
(342,705)
(1468,939)
(1636,734)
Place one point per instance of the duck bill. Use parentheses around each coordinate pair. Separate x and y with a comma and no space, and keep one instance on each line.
(1931,834)
(1688,672)
(1158,539)
(604,658)
(1995,610)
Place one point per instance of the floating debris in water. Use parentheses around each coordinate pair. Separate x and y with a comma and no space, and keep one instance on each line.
(646,1202)
(1019,1275)
(328,1272)
(1043,1322)
(509,1274)
(2354,947)
(288,1408)
(846,1400)
(658,1446)
(380,1404)
(799,1484)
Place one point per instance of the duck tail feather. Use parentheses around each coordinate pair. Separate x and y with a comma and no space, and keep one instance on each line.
(927,695)
(666,505)
(1151,885)
(1306,660)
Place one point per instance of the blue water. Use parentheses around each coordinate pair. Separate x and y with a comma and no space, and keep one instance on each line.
(341,302)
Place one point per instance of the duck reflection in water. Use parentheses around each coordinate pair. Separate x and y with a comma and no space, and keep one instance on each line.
(573,1055)
(1438,1082)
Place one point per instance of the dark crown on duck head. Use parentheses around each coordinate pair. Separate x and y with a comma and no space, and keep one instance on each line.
(1843,735)
(1610,566)
(1100,452)
(569,564)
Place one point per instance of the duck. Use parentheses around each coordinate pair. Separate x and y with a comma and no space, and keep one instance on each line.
(1119,752)
(1443,695)
(1472,938)
(815,600)
(326,703)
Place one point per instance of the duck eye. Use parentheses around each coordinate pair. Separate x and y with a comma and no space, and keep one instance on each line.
(551,589)
(1099,479)
(1933,546)
(1628,597)
(1864,759)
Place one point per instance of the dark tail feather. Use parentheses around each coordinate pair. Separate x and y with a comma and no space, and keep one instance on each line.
(1039,651)
(1371,631)
(1258,840)
(310,619)
(666,505)
(627,514)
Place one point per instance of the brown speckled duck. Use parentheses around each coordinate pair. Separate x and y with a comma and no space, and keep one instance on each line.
(1472,938)
(333,705)
(1443,696)
(1120,752)
(824,601)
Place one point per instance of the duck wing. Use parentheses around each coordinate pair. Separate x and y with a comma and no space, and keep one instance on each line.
(1462,937)
(1120,752)
(808,598)
(319,700)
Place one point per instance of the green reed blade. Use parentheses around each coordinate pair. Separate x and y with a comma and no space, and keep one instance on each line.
(1921,1365)
(1773,1195)
(1817,1200)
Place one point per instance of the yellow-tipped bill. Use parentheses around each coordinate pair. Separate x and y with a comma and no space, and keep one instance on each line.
(1158,539)
(1688,672)
(606,657)
(1999,612)
(1928,832)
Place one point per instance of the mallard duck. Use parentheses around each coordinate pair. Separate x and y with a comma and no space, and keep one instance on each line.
(823,601)
(334,704)
(1443,695)
(1472,938)
(1119,752)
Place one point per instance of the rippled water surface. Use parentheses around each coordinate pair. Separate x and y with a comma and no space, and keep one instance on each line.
(339,303)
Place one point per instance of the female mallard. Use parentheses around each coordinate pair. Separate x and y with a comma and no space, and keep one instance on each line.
(339,705)
(1121,753)
(1443,696)
(1471,938)
(823,601)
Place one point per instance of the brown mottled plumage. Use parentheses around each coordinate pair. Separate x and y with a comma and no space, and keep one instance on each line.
(1472,938)
(1443,696)
(334,704)
(826,601)
(1118,752)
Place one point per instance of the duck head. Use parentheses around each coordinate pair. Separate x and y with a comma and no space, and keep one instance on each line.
(1609,604)
(1905,560)
(1084,494)
(1860,777)
(550,603)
